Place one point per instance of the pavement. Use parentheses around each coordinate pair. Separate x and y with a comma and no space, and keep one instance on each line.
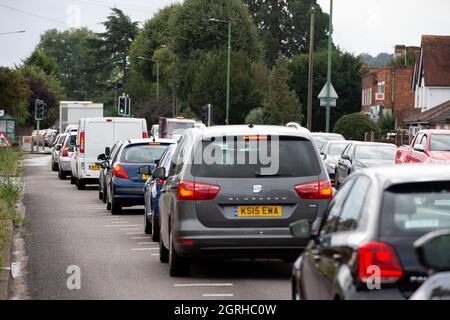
(70,231)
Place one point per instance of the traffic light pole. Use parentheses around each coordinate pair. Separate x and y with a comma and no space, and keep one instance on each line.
(330,48)
(38,135)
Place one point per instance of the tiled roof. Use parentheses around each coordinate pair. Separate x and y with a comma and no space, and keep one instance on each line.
(439,114)
(436,60)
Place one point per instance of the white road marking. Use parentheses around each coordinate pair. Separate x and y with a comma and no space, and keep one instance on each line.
(218,295)
(203,285)
(129,229)
(140,238)
(118,222)
(133,233)
(144,249)
(128,225)
(155,254)
(145,243)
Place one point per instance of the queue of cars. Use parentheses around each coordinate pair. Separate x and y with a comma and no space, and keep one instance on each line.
(265,192)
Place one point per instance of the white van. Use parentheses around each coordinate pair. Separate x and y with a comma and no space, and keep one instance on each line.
(94,135)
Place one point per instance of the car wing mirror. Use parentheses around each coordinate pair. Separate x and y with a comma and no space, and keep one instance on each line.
(102,157)
(105,165)
(346,157)
(301,229)
(433,250)
(145,170)
(107,151)
(159,173)
(58,147)
(419,148)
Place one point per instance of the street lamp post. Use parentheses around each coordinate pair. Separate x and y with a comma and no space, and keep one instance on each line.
(157,74)
(12,32)
(227,117)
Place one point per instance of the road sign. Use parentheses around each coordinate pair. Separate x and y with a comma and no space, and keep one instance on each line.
(323,96)
(2,113)
(379,98)
(4,141)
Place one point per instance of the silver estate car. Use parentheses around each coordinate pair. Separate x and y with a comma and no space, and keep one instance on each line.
(233,191)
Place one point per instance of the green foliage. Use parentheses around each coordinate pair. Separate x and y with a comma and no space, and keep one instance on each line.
(43,61)
(282,104)
(153,109)
(386,122)
(354,126)
(256,116)
(284,26)
(399,62)
(14,94)
(46,87)
(209,86)
(191,29)
(120,32)
(346,79)
(379,61)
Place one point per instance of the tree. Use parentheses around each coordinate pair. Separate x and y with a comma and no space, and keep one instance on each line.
(14,93)
(346,79)
(404,62)
(44,87)
(153,109)
(282,105)
(191,29)
(386,122)
(42,60)
(209,86)
(285,25)
(354,126)
(83,61)
(120,33)
(256,116)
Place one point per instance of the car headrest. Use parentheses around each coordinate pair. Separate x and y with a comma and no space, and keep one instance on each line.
(405,204)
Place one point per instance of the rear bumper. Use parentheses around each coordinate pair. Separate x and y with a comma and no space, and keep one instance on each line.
(240,243)
(128,192)
(64,164)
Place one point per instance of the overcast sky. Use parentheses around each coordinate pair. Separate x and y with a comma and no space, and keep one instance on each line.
(360,25)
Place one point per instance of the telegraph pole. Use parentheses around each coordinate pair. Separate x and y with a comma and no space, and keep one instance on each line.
(311,69)
(330,48)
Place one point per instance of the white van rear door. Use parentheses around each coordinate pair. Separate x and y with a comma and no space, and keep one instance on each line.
(98,136)
(128,129)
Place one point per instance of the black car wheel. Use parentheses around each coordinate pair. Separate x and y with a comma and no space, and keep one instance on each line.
(81,185)
(116,207)
(163,252)
(100,193)
(62,175)
(104,195)
(178,267)
(147,225)
(54,166)
(155,229)
(72,180)
(296,292)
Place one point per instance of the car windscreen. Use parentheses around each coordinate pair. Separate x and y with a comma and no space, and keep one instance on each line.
(336,149)
(245,157)
(143,153)
(179,126)
(375,152)
(320,142)
(415,208)
(440,142)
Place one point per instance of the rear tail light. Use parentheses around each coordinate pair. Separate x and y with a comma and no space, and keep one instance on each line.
(317,190)
(382,256)
(197,191)
(186,242)
(66,151)
(161,182)
(144,135)
(82,142)
(120,172)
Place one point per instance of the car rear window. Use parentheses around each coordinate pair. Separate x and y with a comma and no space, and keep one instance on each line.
(416,208)
(440,142)
(236,157)
(72,141)
(143,153)
(375,152)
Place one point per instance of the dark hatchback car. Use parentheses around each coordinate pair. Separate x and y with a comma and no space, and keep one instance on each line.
(152,192)
(224,198)
(365,246)
(360,155)
(124,181)
(111,156)
(321,138)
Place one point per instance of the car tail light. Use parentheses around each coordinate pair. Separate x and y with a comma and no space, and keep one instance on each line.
(381,256)
(186,242)
(317,190)
(197,191)
(161,182)
(82,142)
(144,135)
(66,151)
(120,172)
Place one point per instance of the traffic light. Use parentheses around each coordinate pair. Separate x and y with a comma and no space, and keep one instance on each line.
(124,106)
(40,109)
(205,113)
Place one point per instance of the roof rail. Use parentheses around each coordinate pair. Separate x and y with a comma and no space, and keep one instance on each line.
(297,126)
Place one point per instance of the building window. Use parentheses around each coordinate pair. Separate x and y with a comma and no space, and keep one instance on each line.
(370,97)
(381,87)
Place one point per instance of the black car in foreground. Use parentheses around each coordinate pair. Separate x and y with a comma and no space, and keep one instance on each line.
(364,249)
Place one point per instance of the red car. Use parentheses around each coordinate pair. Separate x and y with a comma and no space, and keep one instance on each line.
(428,146)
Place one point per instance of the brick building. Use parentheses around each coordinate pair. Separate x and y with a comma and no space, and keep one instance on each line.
(388,90)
